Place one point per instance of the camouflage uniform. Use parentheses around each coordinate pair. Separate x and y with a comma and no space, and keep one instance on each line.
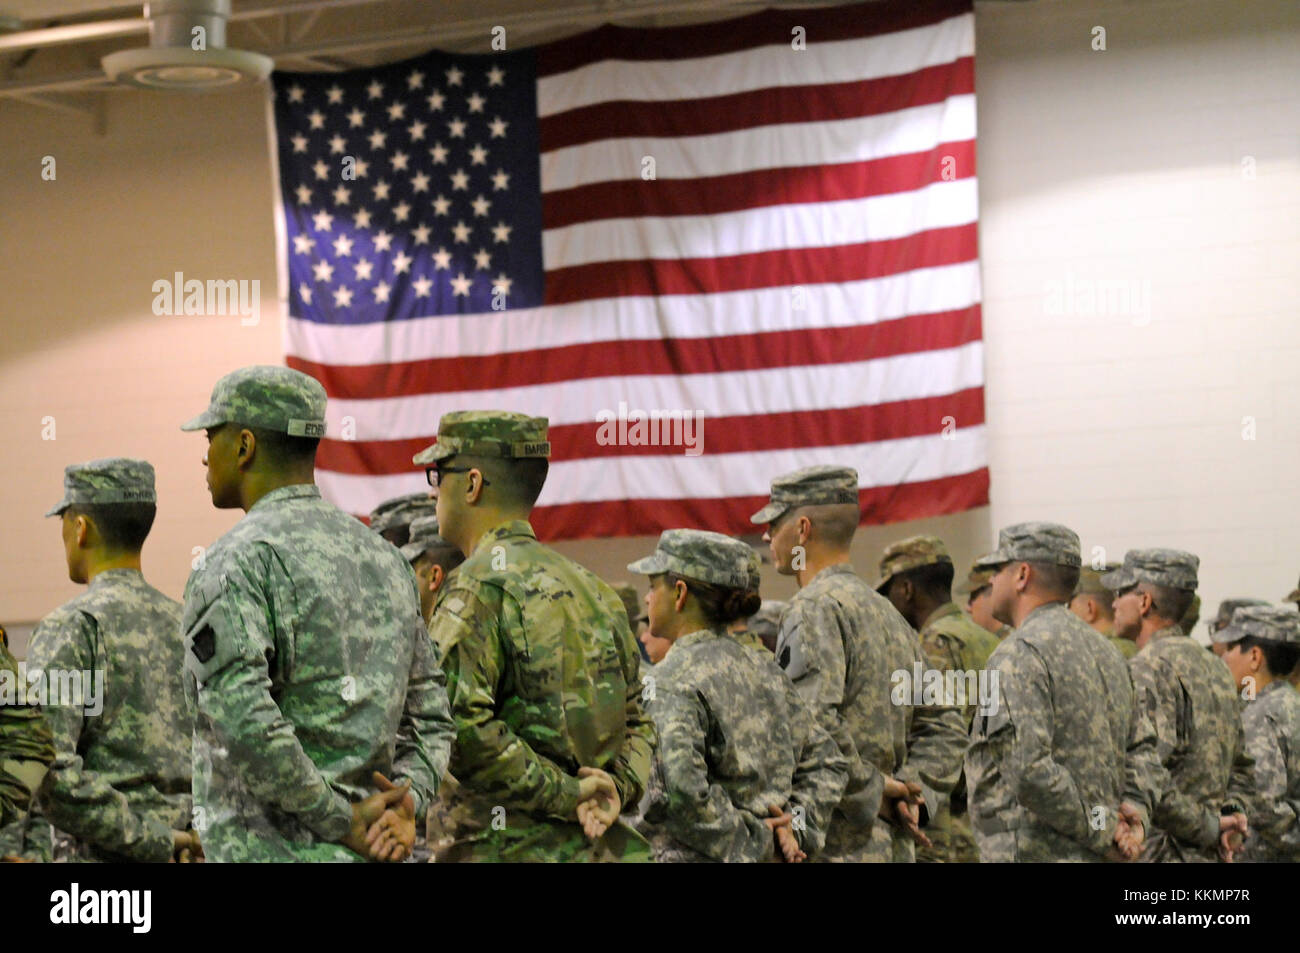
(1224,615)
(734,737)
(397,516)
(979,576)
(841,643)
(1189,696)
(304,678)
(1065,743)
(1090,584)
(26,748)
(544,679)
(952,642)
(1271,721)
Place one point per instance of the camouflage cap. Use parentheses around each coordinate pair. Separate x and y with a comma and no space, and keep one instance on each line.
(911,553)
(1226,608)
(111,480)
(698,554)
(1160,567)
(1293,595)
(424,536)
(266,396)
(632,603)
(1090,582)
(1035,542)
(487,433)
(755,570)
(975,580)
(811,486)
(1270,623)
(401,511)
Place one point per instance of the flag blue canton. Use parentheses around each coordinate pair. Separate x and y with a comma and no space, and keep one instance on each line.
(411,190)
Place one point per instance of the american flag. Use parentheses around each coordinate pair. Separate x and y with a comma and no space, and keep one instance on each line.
(768,221)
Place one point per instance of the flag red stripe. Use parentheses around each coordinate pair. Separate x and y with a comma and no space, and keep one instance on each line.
(825,102)
(738,434)
(712,195)
(766,269)
(880,505)
(765,28)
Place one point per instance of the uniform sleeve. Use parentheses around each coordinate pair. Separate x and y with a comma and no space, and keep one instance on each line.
(936,749)
(1176,813)
(630,769)
(74,798)
(425,732)
(1241,779)
(1276,817)
(699,814)
(1041,784)
(489,757)
(26,746)
(820,775)
(817,666)
(226,651)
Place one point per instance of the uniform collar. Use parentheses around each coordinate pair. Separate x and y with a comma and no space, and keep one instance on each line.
(699,635)
(1169,631)
(1276,683)
(295,491)
(945,610)
(110,576)
(521,528)
(838,569)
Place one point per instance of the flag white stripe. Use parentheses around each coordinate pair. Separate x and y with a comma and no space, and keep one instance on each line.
(733,393)
(813,225)
(840,61)
(758,311)
(676,476)
(806,144)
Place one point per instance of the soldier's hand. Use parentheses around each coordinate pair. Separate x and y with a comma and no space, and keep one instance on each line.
(185,848)
(598,802)
(367,812)
(908,814)
(786,843)
(392,837)
(1232,835)
(1134,833)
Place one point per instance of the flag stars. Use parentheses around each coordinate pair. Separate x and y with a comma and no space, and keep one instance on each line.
(362,268)
(416,129)
(478,155)
(356,118)
(296,93)
(323,271)
(342,196)
(397,111)
(497,127)
(501,181)
(378,138)
(304,292)
(299,142)
(302,244)
(401,263)
(381,190)
(456,128)
(502,284)
(321,169)
(361,168)
(435,100)
(460,285)
(475,102)
(441,205)
(323,221)
(501,232)
(496,76)
(460,180)
(401,211)
(438,154)
(375,89)
(303,193)
(342,246)
(454,76)
(383,241)
(362,218)
(337,145)
(334,95)
(422,286)
(415,80)
(442,259)
(420,236)
(400,161)
(381,291)
(481,205)
(419,182)
(343,297)
(482,259)
(316,119)
(460,231)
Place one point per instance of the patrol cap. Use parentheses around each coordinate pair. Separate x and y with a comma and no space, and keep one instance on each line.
(401,511)
(1035,542)
(1270,623)
(632,603)
(911,553)
(424,536)
(1090,581)
(811,486)
(698,554)
(1226,608)
(1159,567)
(1293,595)
(111,480)
(755,571)
(487,433)
(266,396)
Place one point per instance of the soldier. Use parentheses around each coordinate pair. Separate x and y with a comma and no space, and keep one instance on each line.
(1263,647)
(1190,700)
(433,559)
(308,667)
(119,787)
(392,519)
(842,643)
(1061,766)
(1091,602)
(978,590)
(26,748)
(766,622)
(743,771)
(1221,619)
(636,614)
(542,671)
(916,577)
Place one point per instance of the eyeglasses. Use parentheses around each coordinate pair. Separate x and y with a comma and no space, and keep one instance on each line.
(435,474)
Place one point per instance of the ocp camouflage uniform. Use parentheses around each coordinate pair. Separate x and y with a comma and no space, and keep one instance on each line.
(26,748)
(1191,701)
(735,739)
(1049,765)
(841,642)
(543,676)
(307,662)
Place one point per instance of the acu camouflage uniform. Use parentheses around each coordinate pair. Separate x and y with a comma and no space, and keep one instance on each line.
(840,642)
(1049,765)
(952,642)
(1189,696)
(26,749)
(1271,722)
(734,737)
(544,678)
(307,661)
